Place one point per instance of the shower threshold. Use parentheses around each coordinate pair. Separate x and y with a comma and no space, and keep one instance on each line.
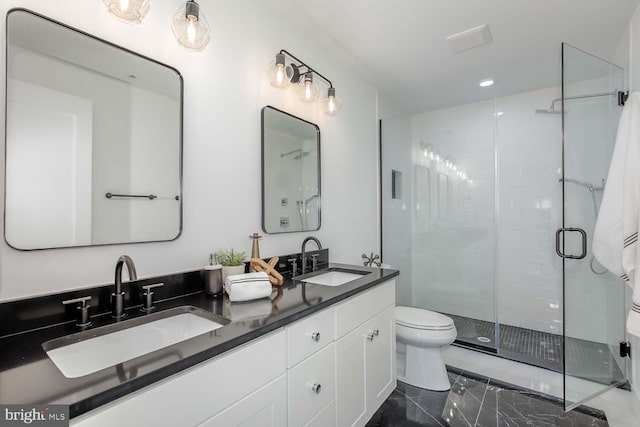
(586,359)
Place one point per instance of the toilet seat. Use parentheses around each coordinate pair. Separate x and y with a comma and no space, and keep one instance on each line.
(417,318)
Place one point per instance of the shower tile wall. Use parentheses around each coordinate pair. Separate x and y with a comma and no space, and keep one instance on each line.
(455,264)
(530,211)
(453,248)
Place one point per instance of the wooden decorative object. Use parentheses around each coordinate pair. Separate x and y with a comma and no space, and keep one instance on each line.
(275,278)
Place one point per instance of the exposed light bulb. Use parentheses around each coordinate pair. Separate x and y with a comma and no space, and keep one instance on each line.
(280,73)
(190,27)
(307,90)
(131,11)
(277,72)
(331,104)
(191,31)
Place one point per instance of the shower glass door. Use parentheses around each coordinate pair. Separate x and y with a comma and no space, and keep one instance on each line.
(594,323)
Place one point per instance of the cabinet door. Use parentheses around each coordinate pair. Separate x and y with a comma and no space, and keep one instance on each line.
(380,340)
(266,407)
(350,400)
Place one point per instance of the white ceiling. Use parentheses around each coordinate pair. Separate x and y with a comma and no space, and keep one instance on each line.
(400,46)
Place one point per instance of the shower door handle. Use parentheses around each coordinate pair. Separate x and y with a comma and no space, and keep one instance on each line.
(584,243)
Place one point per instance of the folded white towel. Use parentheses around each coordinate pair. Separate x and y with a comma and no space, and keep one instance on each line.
(616,234)
(246,287)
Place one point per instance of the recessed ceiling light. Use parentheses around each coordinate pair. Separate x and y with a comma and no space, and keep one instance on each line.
(486,83)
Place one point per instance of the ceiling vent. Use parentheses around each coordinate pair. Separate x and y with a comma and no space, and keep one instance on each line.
(470,39)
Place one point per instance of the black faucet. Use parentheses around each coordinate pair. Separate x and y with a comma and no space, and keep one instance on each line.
(117,298)
(304,251)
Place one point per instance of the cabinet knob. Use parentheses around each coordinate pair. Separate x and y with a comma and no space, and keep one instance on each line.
(316,388)
(315,336)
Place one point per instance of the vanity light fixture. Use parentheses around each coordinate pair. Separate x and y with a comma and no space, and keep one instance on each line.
(132,11)
(190,27)
(298,73)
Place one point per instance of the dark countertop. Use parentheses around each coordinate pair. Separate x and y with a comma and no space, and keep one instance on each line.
(28,376)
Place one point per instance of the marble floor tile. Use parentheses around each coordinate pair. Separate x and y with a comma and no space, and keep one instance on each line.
(474,401)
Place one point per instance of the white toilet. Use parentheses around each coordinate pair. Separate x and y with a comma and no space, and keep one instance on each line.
(420,335)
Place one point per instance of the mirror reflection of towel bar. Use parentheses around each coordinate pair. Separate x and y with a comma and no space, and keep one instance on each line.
(137,196)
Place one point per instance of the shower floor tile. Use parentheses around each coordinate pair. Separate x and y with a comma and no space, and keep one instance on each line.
(586,359)
(476,401)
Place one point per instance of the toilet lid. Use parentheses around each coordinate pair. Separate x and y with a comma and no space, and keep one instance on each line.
(419,318)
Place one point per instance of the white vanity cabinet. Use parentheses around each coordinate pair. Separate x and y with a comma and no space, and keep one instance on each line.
(334,367)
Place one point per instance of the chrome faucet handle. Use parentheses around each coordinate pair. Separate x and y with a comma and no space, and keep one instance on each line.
(294,266)
(314,262)
(83,307)
(148,297)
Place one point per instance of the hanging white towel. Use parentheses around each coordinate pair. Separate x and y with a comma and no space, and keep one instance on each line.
(615,239)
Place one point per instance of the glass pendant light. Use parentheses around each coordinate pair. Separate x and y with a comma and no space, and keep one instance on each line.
(307,89)
(132,11)
(190,27)
(277,74)
(331,105)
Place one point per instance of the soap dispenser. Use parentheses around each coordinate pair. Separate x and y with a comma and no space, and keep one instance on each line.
(213,277)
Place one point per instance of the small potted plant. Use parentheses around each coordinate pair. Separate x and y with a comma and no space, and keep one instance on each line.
(232,262)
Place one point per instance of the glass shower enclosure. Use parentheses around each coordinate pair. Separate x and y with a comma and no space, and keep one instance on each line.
(482,203)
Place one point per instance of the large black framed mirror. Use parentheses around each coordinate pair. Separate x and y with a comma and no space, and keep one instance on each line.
(290,173)
(93,140)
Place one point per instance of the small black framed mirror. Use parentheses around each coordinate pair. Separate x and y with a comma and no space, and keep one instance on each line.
(290,173)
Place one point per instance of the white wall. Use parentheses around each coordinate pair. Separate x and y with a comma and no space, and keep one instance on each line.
(225,88)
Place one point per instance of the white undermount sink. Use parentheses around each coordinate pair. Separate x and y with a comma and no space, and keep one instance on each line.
(333,278)
(90,351)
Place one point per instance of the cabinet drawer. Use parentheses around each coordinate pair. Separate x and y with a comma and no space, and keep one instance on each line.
(266,407)
(304,401)
(190,397)
(362,307)
(309,335)
(326,417)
